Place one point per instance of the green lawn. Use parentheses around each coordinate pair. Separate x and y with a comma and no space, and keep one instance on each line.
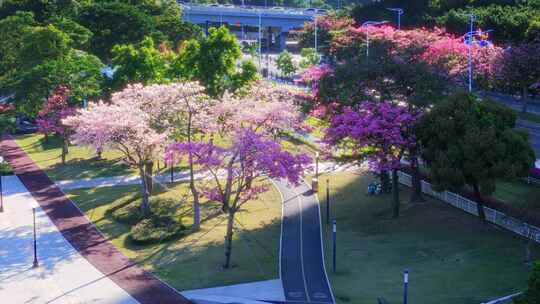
(519,194)
(79,162)
(194,261)
(452,257)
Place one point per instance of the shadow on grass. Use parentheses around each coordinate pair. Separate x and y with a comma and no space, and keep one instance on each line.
(451,255)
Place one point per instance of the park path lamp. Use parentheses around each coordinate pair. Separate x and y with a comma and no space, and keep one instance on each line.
(367,24)
(260,39)
(470,39)
(1,187)
(399,12)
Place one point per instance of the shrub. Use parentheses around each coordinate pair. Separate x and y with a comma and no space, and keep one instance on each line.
(129,214)
(532,294)
(155,230)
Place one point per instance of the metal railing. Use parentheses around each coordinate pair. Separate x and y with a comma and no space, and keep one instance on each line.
(494,216)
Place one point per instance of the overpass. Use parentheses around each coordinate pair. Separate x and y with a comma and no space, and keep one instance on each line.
(271,24)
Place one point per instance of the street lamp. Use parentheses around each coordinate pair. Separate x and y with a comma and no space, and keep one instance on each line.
(399,12)
(1,188)
(472,17)
(368,24)
(469,40)
(315,23)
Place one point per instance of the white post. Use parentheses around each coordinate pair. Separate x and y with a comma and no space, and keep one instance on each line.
(315,22)
(260,41)
(470,53)
(367,43)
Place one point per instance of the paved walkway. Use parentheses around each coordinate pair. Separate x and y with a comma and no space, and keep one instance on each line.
(302,268)
(63,275)
(84,236)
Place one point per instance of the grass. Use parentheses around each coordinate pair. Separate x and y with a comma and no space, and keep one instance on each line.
(80,161)
(194,261)
(519,194)
(452,257)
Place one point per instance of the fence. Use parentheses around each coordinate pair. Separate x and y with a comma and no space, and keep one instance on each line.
(492,215)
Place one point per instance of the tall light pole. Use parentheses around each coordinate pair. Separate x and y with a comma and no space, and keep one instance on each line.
(315,23)
(471,30)
(1,188)
(260,41)
(367,24)
(399,12)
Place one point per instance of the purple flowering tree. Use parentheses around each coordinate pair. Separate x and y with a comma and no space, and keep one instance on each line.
(235,169)
(378,132)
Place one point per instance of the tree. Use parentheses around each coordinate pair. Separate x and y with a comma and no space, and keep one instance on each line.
(467,142)
(137,122)
(114,23)
(12,29)
(380,132)
(285,64)
(138,63)
(310,57)
(236,169)
(212,61)
(78,70)
(54,110)
(532,294)
(518,69)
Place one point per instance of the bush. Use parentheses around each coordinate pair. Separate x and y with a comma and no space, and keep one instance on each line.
(309,58)
(129,214)
(155,230)
(532,294)
(5,168)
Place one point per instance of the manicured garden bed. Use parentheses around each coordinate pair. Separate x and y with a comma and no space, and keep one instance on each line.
(194,259)
(452,257)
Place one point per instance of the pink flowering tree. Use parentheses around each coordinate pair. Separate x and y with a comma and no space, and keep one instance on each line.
(49,120)
(380,132)
(235,170)
(138,122)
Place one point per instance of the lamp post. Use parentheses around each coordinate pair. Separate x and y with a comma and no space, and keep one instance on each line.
(315,23)
(405,285)
(334,249)
(471,30)
(368,24)
(35,264)
(260,39)
(1,188)
(399,12)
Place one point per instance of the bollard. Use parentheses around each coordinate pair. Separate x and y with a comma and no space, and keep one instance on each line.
(315,185)
(334,230)
(327,201)
(405,285)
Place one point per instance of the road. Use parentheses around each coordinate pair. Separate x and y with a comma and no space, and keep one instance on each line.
(302,268)
(534,134)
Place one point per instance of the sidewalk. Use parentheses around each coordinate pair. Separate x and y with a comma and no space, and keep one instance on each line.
(63,275)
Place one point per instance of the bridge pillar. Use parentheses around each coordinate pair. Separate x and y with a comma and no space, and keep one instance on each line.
(282,41)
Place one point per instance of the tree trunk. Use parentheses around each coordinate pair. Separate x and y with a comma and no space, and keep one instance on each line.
(149,170)
(145,205)
(385,181)
(196,206)
(528,246)
(64,149)
(479,203)
(228,238)
(416,195)
(99,153)
(524,98)
(395,194)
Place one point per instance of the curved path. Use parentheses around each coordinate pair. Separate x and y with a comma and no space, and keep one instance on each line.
(84,236)
(302,268)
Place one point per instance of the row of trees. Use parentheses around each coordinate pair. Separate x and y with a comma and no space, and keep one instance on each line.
(408,57)
(177,122)
(513,21)
(53,43)
(402,100)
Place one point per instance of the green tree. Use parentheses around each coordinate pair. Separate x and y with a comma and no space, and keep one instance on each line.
(310,57)
(12,30)
(212,61)
(473,143)
(141,62)
(76,69)
(285,64)
(114,23)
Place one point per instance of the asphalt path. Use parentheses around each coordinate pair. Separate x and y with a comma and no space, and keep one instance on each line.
(302,268)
